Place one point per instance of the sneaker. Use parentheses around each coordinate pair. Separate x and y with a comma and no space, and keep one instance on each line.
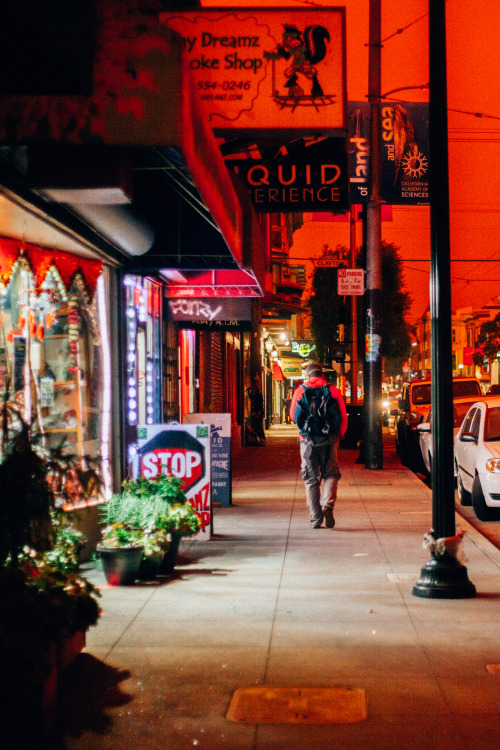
(329,519)
(317,524)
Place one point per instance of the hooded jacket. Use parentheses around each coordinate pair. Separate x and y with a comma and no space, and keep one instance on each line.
(318,382)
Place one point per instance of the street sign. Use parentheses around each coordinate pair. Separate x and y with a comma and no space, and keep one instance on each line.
(350,281)
(328,262)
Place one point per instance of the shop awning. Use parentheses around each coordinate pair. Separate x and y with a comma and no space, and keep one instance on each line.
(178,193)
(278,372)
(221,284)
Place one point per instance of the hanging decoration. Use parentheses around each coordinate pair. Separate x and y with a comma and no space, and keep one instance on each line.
(73,334)
(40,262)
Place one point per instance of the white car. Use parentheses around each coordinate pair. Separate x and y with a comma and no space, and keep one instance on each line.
(477,459)
(461,406)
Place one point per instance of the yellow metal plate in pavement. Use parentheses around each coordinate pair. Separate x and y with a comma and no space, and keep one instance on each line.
(281,705)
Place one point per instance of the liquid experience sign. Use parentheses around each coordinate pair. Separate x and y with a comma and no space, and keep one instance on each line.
(310,178)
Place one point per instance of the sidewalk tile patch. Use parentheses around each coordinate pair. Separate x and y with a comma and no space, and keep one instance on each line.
(370,484)
(402,577)
(279,705)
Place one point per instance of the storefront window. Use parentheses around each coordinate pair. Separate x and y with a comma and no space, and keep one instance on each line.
(53,366)
(144,353)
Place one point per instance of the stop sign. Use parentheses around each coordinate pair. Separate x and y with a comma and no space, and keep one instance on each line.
(176,453)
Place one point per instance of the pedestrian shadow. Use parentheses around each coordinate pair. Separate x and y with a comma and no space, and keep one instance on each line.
(180,574)
(86,690)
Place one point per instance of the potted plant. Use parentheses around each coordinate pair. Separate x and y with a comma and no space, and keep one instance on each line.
(45,601)
(121,551)
(134,538)
(167,501)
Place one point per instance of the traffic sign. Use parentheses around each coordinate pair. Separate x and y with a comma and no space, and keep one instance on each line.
(350,281)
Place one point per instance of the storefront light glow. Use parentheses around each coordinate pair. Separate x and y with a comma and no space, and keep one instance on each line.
(132,417)
(132,393)
(106,389)
(132,404)
(131,357)
(130,312)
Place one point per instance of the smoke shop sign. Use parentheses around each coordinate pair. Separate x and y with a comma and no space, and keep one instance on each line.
(262,69)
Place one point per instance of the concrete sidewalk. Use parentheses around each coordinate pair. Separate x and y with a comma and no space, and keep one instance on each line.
(270,601)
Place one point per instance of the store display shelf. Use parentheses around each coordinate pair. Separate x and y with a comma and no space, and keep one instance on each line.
(61,429)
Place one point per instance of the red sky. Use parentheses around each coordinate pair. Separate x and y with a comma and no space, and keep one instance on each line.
(473,52)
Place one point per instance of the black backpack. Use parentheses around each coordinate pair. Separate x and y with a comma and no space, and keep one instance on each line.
(317,415)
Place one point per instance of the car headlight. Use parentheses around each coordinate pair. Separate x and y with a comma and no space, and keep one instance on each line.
(493,465)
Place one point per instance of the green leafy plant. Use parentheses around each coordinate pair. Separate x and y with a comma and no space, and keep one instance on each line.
(122,535)
(184,520)
(167,488)
(35,480)
(155,506)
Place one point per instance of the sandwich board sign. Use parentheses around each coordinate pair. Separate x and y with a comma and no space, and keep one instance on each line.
(182,451)
(220,432)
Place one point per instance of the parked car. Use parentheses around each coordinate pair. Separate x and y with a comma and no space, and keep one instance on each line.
(477,459)
(414,407)
(390,404)
(461,406)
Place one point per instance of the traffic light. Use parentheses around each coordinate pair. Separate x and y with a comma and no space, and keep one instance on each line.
(336,352)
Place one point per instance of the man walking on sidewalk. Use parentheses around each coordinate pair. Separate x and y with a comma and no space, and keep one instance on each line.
(320,414)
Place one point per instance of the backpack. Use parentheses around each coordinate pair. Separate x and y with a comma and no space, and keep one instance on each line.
(317,415)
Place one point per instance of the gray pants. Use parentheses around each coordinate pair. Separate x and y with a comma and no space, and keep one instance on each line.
(312,461)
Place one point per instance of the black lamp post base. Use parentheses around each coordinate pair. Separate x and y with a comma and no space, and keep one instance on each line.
(445,578)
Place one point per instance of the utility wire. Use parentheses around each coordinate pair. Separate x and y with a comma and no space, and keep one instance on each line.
(400,31)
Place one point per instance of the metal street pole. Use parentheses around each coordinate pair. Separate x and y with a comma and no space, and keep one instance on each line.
(443,577)
(354,314)
(373,294)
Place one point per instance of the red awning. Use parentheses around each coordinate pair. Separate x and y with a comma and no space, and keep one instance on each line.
(278,372)
(212,283)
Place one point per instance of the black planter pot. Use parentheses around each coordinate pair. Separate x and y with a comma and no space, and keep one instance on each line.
(170,557)
(120,564)
(150,567)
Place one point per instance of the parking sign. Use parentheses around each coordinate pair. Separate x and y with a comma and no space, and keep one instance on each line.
(350,281)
